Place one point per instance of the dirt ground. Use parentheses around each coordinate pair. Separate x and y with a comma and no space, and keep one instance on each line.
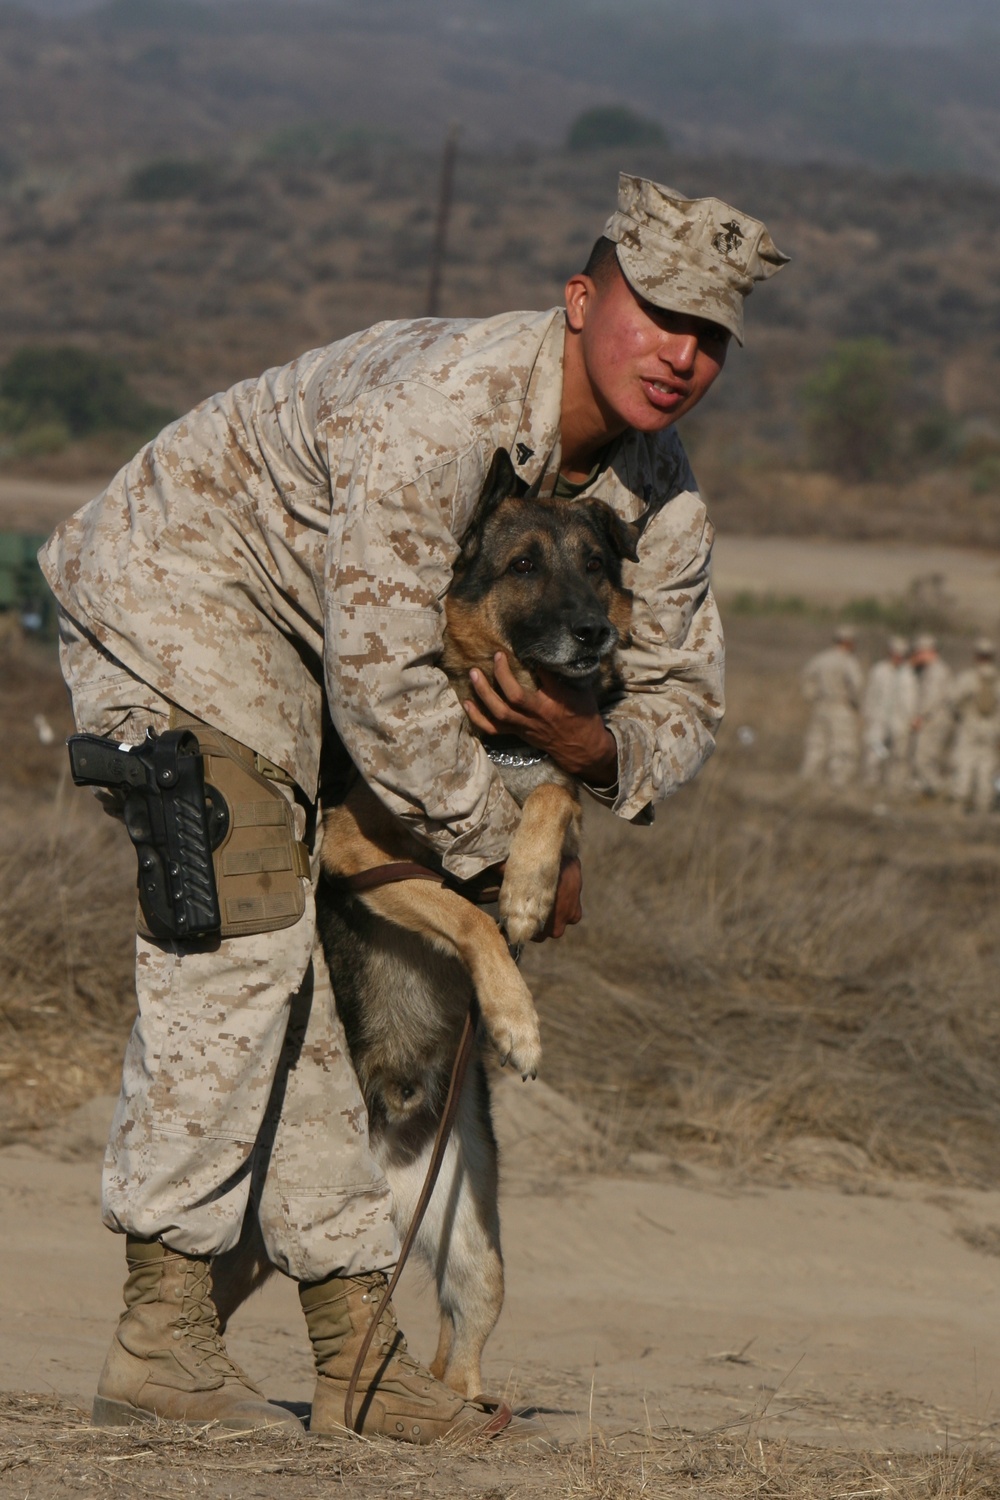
(661,1297)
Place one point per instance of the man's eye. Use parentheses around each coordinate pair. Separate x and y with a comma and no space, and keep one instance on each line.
(521,565)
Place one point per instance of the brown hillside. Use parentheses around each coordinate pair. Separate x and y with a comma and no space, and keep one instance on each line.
(269,257)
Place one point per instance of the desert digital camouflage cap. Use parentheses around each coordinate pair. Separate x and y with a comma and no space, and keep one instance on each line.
(691,255)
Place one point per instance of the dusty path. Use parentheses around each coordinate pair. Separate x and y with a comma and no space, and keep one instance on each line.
(834,573)
(38,505)
(853,1320)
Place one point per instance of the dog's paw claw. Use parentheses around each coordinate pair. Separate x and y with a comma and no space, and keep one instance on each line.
(522,1051)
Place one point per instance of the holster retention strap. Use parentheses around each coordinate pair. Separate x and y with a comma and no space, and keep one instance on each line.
(259,864)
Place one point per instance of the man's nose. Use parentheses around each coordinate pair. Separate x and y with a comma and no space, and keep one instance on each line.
(679,352)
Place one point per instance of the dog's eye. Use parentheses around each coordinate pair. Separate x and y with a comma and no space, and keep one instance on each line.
(595,565)
(521,565)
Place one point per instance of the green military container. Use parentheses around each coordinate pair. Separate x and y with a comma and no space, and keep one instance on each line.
(23,591)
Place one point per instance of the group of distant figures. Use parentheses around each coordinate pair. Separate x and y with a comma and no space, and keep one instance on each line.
(913,727)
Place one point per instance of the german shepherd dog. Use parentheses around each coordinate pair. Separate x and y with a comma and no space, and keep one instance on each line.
(540,580)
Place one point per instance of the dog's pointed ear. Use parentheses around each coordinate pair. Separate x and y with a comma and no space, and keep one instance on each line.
(622,536)
(500,484)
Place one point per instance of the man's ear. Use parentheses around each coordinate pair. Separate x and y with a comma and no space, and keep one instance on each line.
(501,483)
(578,293)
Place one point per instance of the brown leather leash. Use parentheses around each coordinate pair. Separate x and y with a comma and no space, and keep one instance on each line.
(369,880)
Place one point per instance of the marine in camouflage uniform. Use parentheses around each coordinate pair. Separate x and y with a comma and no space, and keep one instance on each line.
(288,544)
(832,684)
(933,722)
(975,754)
(887,715)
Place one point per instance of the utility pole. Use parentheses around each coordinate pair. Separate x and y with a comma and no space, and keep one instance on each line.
(441,227)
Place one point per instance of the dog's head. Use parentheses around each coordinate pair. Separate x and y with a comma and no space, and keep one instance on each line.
(541,579)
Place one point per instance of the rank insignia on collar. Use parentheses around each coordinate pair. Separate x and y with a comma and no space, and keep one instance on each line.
(524,453)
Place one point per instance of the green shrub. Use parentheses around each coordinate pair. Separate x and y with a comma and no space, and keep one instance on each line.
(613,125)
(41,439)
(937,437)
(748,602)
(74,388)
(985,477)
(852,406)
(169,178)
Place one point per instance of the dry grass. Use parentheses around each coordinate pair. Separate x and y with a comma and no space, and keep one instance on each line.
(65,928)
(782,982)
(47,1450)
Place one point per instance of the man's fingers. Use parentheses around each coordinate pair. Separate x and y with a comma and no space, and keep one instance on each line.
(479,719)
(487,695)
(497,707)
(507,682)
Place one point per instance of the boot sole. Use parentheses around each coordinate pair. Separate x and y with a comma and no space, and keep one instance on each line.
(107,1413)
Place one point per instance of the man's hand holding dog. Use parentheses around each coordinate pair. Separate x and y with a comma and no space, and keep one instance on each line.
(556,717)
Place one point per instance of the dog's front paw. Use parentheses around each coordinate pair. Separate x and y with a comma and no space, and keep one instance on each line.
(524,907)
(519,1045)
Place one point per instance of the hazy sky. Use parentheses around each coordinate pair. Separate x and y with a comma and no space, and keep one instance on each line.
(903,21)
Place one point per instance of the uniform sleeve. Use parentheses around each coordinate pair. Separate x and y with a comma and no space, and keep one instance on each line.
(674,668)
(405,472)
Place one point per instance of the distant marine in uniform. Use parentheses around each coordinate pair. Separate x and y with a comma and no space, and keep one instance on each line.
(975,755)
(832,683)
(932,721)
(887,713)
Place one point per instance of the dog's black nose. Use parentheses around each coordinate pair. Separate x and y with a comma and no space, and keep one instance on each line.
(592,631)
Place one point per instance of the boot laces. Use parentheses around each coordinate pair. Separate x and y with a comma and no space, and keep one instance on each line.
(389,1338)
(200,1322)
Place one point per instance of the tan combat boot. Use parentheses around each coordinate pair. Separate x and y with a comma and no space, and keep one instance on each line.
(167,1359)
(396,1397)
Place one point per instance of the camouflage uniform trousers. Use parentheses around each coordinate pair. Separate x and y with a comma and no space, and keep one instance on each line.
(975,763)
(831,746)
(236,1077)
(886,760)
(929,750)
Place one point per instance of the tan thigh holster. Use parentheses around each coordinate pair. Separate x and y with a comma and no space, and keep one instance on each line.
(259,865)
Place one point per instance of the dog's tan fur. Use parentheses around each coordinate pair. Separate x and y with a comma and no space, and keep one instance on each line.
(407,957)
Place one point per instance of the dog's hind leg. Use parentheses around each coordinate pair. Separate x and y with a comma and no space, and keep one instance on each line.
(460,1236)
(469,1265)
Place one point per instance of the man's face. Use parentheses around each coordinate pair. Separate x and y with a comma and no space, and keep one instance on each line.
(645,366)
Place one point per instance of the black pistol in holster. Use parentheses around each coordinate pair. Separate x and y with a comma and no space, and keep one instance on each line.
(174,820)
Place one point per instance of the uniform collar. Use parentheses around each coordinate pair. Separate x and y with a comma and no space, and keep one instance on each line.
(535,450)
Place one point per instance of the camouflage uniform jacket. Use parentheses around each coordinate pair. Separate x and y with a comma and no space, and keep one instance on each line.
(304,524)
(833,676)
